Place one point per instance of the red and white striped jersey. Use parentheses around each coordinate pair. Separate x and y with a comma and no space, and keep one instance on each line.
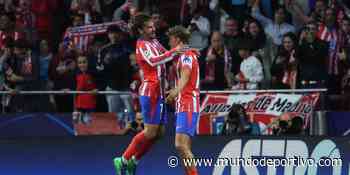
(150,57)
(188,99)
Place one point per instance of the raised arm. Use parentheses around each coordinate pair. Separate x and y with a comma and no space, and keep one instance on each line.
(153,60)
(258,16)
(299,12)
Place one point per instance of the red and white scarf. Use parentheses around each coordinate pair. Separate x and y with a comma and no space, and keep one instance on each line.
(210,65)
(330,36)
(290,75)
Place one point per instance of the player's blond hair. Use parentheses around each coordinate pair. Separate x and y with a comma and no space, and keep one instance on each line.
(180,32)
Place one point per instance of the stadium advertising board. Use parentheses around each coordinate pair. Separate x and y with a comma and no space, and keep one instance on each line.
(216,155)
(263,108)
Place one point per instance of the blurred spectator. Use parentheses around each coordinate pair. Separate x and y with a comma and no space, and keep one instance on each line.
(344,56)
(251,70)
(200,30)
(237,122)
(89,9)
(231,33)
(231,37)
(316,15)
(219,16)
(23,75)
(274,28)
(312,55)
(6,60)
(161,28)
(45,58)
(7,29)
(5,53)
(302,7)
(344,45)
(85,103)
(215,65)
(43,11)
(125,12)
(291,126)
(285,66)
(108,7)
(328,31)
(236,8)
(7,6)
(92,54)
(77,20)
(135,126)
(25,21)
(114,60)
(263,49)
(62,73)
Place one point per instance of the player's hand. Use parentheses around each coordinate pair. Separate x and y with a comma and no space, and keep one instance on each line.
(172,94)
(179,49)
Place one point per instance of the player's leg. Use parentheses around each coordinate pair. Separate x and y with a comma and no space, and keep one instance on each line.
(154,120)
(185,129)
(144,140)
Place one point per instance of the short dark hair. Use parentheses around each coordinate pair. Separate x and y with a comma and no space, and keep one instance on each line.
(180,32)
(139,21)
(246,44)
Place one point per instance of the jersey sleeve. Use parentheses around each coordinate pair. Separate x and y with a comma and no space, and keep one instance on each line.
(153,60)
(186,62)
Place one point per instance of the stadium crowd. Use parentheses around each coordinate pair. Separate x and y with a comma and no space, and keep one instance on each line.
(244,44)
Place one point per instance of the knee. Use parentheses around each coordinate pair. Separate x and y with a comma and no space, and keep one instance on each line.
(181,147)
(160,134)
(151,133)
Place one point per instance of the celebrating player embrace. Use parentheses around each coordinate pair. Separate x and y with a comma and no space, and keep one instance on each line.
(150,57)
(185,94)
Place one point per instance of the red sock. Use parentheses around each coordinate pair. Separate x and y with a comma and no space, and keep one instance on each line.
(138,146)
(192,171)
(144,148)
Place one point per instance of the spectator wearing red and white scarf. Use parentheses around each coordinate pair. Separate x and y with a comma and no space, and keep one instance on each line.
(328,31)
(215,65)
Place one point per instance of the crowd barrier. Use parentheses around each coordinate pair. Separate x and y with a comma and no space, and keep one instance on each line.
(265,106)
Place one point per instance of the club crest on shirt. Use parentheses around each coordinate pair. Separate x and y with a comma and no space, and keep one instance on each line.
(187,60)
(146,52)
